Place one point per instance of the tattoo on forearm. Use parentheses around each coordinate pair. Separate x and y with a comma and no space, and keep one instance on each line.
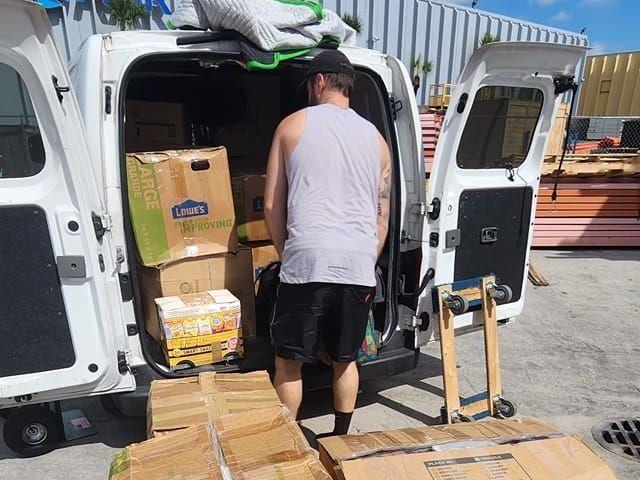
(383,196)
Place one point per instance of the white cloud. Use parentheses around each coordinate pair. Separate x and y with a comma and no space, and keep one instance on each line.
(545,3)
(561,16)
(597,48)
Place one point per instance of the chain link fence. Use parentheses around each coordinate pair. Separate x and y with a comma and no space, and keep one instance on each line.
(604,135)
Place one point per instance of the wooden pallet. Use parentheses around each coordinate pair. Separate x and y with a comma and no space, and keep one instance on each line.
(536,277)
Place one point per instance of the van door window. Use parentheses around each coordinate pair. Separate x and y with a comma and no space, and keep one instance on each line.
(21,149)
(500,127)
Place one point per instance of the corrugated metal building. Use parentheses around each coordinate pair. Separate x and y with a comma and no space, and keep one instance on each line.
(444,33)
(611,85)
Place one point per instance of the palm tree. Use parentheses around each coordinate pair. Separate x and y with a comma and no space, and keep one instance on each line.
(353,21)
(488,38)
(419,69)
(127,12)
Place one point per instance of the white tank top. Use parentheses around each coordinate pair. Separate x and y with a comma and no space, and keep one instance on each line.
(333,175)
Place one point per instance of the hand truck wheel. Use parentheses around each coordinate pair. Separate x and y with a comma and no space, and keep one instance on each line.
(457,304)
(502,294)
(505,408)
(32,430)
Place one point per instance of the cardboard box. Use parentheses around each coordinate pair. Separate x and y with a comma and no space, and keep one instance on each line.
(200,328)
(229,271)
(266,444)
(248,198)
(180,403)
(507,449)
(181,204)
(549,459)
(188,454)
(263,256)
(154,126)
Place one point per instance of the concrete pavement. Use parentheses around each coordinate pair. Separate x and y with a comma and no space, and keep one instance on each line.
(571,360)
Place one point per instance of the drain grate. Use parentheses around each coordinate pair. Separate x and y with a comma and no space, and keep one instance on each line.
(621,436)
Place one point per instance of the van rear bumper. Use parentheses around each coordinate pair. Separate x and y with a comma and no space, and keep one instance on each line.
(389,363)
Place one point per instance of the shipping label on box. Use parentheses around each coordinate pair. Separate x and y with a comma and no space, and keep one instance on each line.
(556,458)
(181,204)
(248,198)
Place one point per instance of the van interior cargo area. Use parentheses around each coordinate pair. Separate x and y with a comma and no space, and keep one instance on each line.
(222,104)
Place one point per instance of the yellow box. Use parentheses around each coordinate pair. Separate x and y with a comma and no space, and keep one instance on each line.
(200,328)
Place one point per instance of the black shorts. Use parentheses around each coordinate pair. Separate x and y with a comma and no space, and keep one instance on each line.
(309,314)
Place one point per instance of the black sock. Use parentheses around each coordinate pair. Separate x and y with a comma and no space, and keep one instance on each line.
(343,420)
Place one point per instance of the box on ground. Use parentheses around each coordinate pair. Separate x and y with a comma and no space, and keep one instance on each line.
(262,256)
(266,444)
(248,198)
(181,204)
(229,271)
(189,452)
(200,328)
(506,449)
(154,126)
(180,403)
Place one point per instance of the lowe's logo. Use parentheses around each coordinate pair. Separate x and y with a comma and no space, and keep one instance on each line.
(189,208)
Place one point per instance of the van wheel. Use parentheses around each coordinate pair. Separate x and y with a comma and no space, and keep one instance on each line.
(32,430)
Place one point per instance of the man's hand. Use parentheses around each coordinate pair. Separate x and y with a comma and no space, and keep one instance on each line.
(384,193)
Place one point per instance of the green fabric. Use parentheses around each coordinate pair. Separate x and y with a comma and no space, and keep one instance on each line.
(256,65)
(316,7)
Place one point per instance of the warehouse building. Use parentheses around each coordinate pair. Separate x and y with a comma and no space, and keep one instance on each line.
(442,33)
(611,85)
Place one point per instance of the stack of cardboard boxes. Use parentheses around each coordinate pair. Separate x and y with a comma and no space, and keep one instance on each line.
(231,426)
(218,426)
(187,213)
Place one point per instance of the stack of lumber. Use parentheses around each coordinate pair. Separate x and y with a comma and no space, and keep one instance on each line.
(608,165)
(431,125)
(588,215)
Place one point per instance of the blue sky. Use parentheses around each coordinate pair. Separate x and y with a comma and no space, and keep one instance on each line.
(612,25)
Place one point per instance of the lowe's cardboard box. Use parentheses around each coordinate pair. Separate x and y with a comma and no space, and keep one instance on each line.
(488,450)
(200,328)
(248,198)
(179,403)
(231,271)
(181,204)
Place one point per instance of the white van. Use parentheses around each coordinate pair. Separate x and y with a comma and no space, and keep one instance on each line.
(70,316)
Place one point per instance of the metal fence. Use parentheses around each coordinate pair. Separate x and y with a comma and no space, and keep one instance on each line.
(604,135)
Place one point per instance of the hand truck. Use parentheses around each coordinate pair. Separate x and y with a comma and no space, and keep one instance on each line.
(456,299)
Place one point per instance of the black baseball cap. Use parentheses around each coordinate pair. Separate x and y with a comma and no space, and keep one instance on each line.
(331,61)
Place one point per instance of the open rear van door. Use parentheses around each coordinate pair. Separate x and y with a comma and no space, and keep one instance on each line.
(61,333)
(484,183)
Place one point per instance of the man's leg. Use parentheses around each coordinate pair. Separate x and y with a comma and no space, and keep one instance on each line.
(345,391)
(288,383)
